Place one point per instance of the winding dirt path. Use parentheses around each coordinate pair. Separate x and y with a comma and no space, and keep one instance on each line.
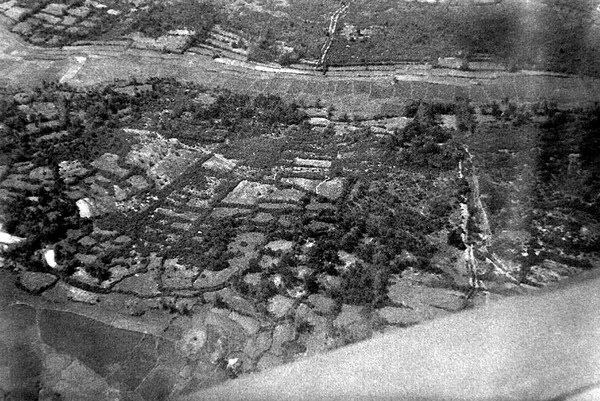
(331,34)
(354,91)
(139,360)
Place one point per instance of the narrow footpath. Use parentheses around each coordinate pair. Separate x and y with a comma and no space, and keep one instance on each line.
(352,91)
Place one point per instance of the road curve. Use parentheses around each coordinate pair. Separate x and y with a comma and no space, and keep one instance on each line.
(367,91)
(523,348)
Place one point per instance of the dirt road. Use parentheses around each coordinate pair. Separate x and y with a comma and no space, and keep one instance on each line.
(523,348)
(353,92)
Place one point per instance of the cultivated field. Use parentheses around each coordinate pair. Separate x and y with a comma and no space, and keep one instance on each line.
(556,36)
(220,217)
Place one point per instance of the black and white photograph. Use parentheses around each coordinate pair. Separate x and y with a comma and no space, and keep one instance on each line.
(298,200)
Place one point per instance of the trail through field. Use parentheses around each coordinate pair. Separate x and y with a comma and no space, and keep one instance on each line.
(26,65)
(331,33)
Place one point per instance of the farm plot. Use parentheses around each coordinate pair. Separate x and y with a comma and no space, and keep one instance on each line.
(301,231)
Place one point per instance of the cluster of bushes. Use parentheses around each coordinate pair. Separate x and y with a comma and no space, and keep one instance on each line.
(508,111)
(153,20)
(375,226)
(301,26)
(266,109)
(92,120)
(428,109)
(12,122)
(365,285)
(378,230)
(572,137)
(565,203)
(422,32)
(44,217)
(211,252)
(423,143)
(230,116)
(266,50)
(590,149)
(546,173)
(159,18)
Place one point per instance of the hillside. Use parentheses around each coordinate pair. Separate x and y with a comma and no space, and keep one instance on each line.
(548,35)
(176,210)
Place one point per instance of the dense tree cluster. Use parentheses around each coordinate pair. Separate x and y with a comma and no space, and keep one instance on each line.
(160,18)
(540,163)
(90,120)
(44,217)
(424,143)
(88,125)
(209,249)
(266,50)
(373,225)
(228,116)
(152,20)
(382,226)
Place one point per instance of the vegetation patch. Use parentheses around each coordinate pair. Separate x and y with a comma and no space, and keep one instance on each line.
(69,21)
(384,31)
(246,203)
(546,35)
(158,18)
(538,184)
(96,124)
